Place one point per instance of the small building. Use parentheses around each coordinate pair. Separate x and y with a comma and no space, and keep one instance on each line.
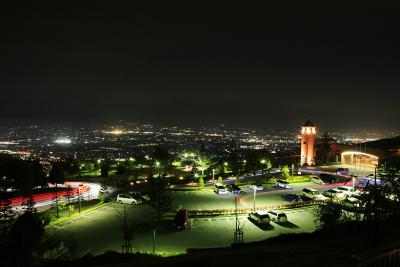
(358,158)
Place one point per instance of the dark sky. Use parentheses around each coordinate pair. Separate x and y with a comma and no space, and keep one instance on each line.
(202,64)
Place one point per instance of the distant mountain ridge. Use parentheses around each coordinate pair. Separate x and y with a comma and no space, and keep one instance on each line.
(386,144)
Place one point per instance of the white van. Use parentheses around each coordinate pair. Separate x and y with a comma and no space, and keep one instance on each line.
(260,217)
(277,216)
(313,194)
(126,199)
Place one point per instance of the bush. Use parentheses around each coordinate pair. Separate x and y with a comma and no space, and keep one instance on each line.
(46,218)
(237,180)
(201,182)
(299,179)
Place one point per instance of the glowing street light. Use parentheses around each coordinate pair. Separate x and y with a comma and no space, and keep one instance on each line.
(79,196)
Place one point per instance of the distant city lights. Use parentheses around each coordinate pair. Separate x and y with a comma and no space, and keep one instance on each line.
(63,141)
(115,132)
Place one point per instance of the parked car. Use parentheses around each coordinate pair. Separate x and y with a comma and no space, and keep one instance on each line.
(293,198)
(234,188)
(347,190)
(352,204)
(317,180)
(260,217)
(283,184)
(126,199)
(220,189)
(313,194)
(181,219)
(334,193)
(277,216)
(328,178)
(139,197)
(258,187)
(342,171)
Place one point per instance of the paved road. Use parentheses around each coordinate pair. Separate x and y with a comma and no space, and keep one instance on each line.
(44,201)
(100,230)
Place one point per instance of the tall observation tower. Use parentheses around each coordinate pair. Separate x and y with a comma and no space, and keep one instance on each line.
(308,135)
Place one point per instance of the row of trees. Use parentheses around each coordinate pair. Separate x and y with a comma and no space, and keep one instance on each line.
(160,161)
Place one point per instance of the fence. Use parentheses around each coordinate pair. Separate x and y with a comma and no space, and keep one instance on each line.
(216,212)
(387,259)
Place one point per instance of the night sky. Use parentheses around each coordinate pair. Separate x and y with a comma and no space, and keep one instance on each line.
(201,65)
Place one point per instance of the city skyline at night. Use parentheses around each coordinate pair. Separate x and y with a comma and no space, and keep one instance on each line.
(199,134)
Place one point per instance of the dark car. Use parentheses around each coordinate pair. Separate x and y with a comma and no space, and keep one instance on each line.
(181,219)
(234,188)
(328,178)
(342,171)
(292,198)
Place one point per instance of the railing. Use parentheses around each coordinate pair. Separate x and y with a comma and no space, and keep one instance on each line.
(387,259)
(216,212)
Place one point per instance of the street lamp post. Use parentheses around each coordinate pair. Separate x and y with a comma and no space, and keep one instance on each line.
(292,169)
(79,197)
(154,239)
(213,173)
(254,197)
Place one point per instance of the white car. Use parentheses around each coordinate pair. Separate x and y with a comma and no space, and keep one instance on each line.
(334,193)
(317,180)
(257,187)
(347,190)
(126,199)
(220,189)
(260,217)
(283,184)
(277,216)
(313,194)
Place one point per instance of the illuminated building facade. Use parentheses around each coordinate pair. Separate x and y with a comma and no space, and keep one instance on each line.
(308,136)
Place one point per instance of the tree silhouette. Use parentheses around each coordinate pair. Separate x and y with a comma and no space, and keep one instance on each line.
(25,234)
(105,167)
(160,200)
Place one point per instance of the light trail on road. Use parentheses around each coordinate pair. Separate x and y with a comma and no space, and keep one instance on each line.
(87,190)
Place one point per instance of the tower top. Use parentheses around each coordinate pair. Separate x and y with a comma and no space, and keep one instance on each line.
(309,124)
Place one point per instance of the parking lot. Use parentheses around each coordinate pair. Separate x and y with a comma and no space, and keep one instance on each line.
(101,229)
